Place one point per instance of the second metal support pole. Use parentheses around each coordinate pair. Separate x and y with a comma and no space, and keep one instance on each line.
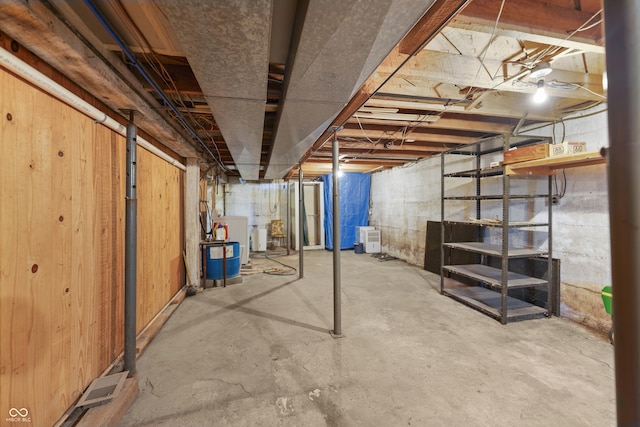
(623,64)
(337,309)
(288,239)
(300,225)
(131,226)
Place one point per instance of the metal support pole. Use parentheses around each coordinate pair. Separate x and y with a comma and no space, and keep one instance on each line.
(550,272)
(504,280)
(288,239)
(442,227)
(300,225)
(623,65)
(130,252)
(337,309)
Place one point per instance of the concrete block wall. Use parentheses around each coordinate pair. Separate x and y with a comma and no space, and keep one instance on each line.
(581,224)
(262,203)
(404,199)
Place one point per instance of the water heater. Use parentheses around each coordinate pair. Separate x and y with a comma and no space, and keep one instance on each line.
(259,239)
(238,227)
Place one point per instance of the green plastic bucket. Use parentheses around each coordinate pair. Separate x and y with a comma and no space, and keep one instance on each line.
(607,296)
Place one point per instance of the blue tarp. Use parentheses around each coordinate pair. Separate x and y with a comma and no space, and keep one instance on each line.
(354,207)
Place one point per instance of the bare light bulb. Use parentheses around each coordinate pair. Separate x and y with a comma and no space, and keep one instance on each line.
(540,95)
(605,82)
(340,174)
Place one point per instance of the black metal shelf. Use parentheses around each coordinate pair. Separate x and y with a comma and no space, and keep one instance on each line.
(499,223)
(493,276)
(500,296)
(476,173)
(495,250)
(495,145)
(489,302)
(498,197)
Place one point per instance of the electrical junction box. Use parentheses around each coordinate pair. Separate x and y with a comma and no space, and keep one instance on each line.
(372,241)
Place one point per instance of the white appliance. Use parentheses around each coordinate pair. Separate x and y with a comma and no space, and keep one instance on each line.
(238,232)
(259,239)
(372,241)
(361,232)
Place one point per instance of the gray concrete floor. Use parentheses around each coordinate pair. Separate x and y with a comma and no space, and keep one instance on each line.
(259,353)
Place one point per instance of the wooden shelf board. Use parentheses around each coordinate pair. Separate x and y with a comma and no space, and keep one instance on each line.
(498,223)
(474,173)
(494,250)
(498,197)
(549,165)
(493,276)
(488,301)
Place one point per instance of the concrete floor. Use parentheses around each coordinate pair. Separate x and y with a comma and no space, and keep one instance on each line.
(258,353)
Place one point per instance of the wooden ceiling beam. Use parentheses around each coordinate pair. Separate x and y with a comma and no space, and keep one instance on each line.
(397,135)
(443,123)
(380,147)
(590,5)
(495,104)
(183,80)
(369,161)
(438,15)
(540,18)
(441,67)
(313,170)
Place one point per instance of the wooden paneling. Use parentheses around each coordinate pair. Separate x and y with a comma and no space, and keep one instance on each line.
(160,264)
(62,188)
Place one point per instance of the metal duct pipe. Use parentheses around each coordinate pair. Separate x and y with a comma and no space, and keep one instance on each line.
(35,77)
(300,225)
(130,251)
(337,309)
(623,64)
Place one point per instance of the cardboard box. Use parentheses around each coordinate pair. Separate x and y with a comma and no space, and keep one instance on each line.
(567,148)
(522,154)
(556,150)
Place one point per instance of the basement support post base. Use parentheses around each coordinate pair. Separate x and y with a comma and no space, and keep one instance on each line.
(336,336)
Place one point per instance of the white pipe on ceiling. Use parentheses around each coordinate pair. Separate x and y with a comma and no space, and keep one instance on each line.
(24,70)
(402,117)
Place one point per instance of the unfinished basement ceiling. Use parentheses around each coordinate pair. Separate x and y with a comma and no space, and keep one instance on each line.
(336,47)
(261,82)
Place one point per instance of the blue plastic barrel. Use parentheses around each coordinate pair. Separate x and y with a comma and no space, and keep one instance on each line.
(215,260)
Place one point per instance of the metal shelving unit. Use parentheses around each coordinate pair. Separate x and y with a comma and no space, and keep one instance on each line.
(481,286)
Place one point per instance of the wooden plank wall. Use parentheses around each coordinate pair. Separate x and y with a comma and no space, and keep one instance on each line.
(62,187)
(160,235)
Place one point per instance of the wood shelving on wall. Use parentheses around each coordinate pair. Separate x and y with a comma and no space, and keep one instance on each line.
(549,165)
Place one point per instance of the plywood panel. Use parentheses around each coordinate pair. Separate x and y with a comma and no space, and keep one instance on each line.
(26,268)
(160,272)
(62,187)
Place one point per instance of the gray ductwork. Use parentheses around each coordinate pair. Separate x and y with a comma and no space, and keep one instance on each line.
(227,45)
(338,45)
